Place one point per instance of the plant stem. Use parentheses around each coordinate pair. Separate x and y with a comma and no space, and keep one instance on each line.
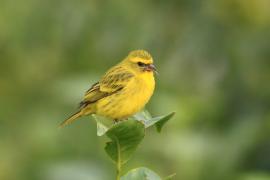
(118,171)
(118,165)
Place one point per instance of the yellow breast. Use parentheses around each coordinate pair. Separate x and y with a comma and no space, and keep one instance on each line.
(129,100)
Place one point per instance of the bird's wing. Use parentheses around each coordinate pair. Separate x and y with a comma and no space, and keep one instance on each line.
(116,78)
(113,81)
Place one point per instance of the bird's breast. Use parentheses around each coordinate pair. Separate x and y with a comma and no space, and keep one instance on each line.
(138,93)
(143,87)
(130,99)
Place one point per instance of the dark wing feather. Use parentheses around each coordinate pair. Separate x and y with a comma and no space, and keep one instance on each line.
(114,80)
(93,95)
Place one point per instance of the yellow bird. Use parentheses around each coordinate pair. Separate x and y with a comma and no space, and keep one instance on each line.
(122,91)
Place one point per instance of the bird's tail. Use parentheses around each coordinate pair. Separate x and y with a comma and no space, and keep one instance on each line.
(71,119)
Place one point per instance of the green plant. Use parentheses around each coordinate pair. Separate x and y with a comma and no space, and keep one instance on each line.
(125,137)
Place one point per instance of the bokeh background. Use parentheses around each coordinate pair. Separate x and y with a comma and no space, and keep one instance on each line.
(213,59)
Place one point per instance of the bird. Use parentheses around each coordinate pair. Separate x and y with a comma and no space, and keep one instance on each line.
(123,91)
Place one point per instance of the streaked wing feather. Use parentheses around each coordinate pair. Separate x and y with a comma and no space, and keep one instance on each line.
(114,80)
(93,88)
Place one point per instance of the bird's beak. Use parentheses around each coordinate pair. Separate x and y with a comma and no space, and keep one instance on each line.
(151,67)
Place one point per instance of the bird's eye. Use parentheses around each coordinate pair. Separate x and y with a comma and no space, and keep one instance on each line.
(141,64)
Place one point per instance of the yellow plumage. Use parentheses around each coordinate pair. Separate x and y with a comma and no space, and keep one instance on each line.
(122,91)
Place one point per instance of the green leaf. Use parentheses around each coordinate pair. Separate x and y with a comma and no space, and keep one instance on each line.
(141,173)
(143,116)
(148,121)
(162,120)
(125,137)
(101,127)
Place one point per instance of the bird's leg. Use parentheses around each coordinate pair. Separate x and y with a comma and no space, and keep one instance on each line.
(115,121)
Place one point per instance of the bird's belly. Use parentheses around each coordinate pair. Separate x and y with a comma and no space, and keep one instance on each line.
(125,103)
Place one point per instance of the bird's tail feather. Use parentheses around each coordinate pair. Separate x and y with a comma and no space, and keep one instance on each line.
(71,119)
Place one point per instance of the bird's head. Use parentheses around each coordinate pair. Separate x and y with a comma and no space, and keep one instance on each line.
(140,61)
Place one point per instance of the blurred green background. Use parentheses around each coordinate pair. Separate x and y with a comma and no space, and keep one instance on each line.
(213,59)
